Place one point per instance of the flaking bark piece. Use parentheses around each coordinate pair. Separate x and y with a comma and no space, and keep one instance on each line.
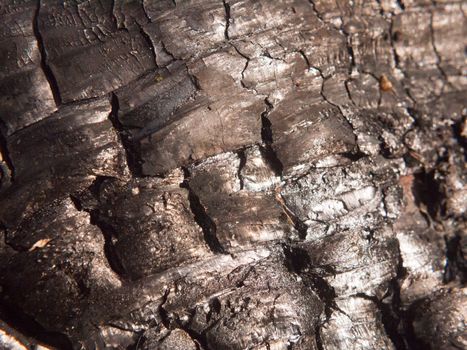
(188,29)
(25,94)
(210,124)
(156,99)
(88,55)
(165,235)
(253,305)
(306,128)
(337,198)
(61,154)
(242,217)
(62,279)
(356,326)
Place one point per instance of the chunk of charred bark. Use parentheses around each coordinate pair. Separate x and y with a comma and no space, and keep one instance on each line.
(26,95)
(165,234)
(59,155)
(82,41)
(59,253)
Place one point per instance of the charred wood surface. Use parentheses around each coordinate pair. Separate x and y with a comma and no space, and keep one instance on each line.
(233,174)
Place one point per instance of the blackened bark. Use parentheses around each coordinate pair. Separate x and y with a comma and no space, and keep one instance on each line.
(233,174)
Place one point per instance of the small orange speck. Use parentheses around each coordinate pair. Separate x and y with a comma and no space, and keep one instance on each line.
(384,83)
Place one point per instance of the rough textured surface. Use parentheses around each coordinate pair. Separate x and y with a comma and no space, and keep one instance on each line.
(83,41)
(26,94)
(233,174)
(59,155)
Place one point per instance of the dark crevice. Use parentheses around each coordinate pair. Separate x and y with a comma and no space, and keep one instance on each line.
(195,81)
(271,159)
(132,153)
(298,261)
(214,308)
(319,342)
(227,19)
(456,264)
(267,137)
(73,102)
(305,58)
(401,4)
(84,289)
(244,68)
(301,227)
(206,223)
(350,51)
(266,131)
(7,170)
(353,156)
(326,293)
(391,320)
(109,249)
(242,157)
(7,243)
(171,324)
(163,314)
(428,194)
(347,89)
(29,327)
(393,317)
(413,342)
(396,59)
(394,37)
(413,114)
(139,343)
(202,218)
(76,202)
(240,53)
(106,229)
(45,67)
(313,5)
